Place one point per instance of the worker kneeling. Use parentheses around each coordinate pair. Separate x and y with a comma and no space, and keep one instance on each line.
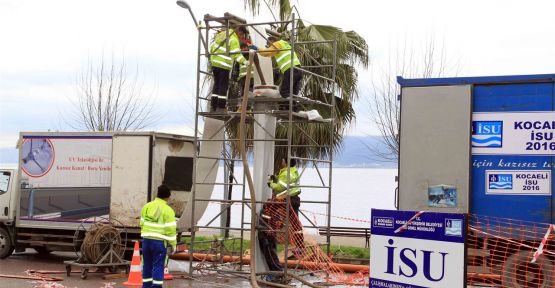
(158,230)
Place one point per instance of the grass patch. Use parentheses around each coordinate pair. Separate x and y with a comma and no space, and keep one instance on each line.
(234,245)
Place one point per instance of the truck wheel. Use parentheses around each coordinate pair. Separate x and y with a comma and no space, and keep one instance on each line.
(43,251)
(518,272)
(6,246)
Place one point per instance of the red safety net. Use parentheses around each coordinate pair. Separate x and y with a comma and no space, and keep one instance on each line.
(308,254)
(510,253)
(501,252)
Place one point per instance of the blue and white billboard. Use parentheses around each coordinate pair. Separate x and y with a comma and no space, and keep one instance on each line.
(513,133)
(417,249)
(518,182)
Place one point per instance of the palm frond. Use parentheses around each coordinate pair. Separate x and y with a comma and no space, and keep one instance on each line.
(351,51)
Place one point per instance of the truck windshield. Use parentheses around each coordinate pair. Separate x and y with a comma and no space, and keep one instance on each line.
(4,181)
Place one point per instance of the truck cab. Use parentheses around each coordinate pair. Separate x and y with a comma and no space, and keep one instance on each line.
(8,196)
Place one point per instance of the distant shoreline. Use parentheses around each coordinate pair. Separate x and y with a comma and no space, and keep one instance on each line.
(393,167)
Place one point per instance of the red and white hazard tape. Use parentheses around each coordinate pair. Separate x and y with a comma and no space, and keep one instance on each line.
(404,227)
(539,251)
(337,217)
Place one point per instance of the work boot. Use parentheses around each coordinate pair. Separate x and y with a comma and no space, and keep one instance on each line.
(217,104)
(269,278)
(213,103)
(281,279)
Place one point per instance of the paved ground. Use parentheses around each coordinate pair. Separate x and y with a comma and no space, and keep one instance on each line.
(18,263)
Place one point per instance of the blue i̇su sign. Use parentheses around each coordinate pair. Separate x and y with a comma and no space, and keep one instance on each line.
(513,133)
(414,250)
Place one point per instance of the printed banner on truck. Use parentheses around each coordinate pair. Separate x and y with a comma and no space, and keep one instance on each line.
(417,249)
(68,161)
(514,133)
(523,182)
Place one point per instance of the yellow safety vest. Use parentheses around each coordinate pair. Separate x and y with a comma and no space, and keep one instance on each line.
(219,46)
(158,222)
(283,57)
(281,184)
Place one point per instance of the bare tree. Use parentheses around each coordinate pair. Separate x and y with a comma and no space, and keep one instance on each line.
(110,98)
(384,103)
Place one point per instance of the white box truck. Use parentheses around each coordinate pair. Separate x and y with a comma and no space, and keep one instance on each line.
(63,179)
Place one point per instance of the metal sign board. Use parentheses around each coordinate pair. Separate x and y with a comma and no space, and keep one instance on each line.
(514,133)
(417,249)
(523,182)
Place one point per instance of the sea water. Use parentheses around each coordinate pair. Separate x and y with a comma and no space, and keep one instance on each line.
(355,191)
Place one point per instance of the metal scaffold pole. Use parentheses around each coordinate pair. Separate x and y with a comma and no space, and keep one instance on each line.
(254,149)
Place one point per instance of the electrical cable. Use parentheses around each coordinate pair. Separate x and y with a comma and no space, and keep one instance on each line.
(99,240)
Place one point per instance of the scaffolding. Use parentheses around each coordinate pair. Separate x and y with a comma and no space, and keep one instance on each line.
(292,120)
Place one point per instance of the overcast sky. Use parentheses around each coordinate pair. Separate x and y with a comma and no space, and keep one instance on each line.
(45,45)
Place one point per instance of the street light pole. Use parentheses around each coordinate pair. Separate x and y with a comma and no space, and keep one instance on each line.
(183,4)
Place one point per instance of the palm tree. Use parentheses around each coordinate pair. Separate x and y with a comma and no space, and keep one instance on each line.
(351,50)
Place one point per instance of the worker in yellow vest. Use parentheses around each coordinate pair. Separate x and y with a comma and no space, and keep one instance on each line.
(158,233)
(281,51)
(279,184)
(243,70)
(222,64)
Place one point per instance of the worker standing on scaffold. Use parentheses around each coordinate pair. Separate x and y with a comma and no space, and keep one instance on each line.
(279,188)
(222,64)
(240,70)
(281,50)
(158,230)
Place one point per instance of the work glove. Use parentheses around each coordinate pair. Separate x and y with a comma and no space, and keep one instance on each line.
(253,47)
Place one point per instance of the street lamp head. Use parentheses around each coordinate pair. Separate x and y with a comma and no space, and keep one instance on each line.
(183,4)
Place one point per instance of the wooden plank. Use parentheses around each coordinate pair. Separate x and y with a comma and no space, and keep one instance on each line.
(346,228)
(345,232)
(31,277)
(222,20)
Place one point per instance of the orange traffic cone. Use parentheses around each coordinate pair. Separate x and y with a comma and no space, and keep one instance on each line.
(135,273)
(167,275)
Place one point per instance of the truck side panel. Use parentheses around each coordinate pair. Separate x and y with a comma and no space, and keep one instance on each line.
(172,164)
(531,205)
(130,178)
(435,145)
(65,178)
